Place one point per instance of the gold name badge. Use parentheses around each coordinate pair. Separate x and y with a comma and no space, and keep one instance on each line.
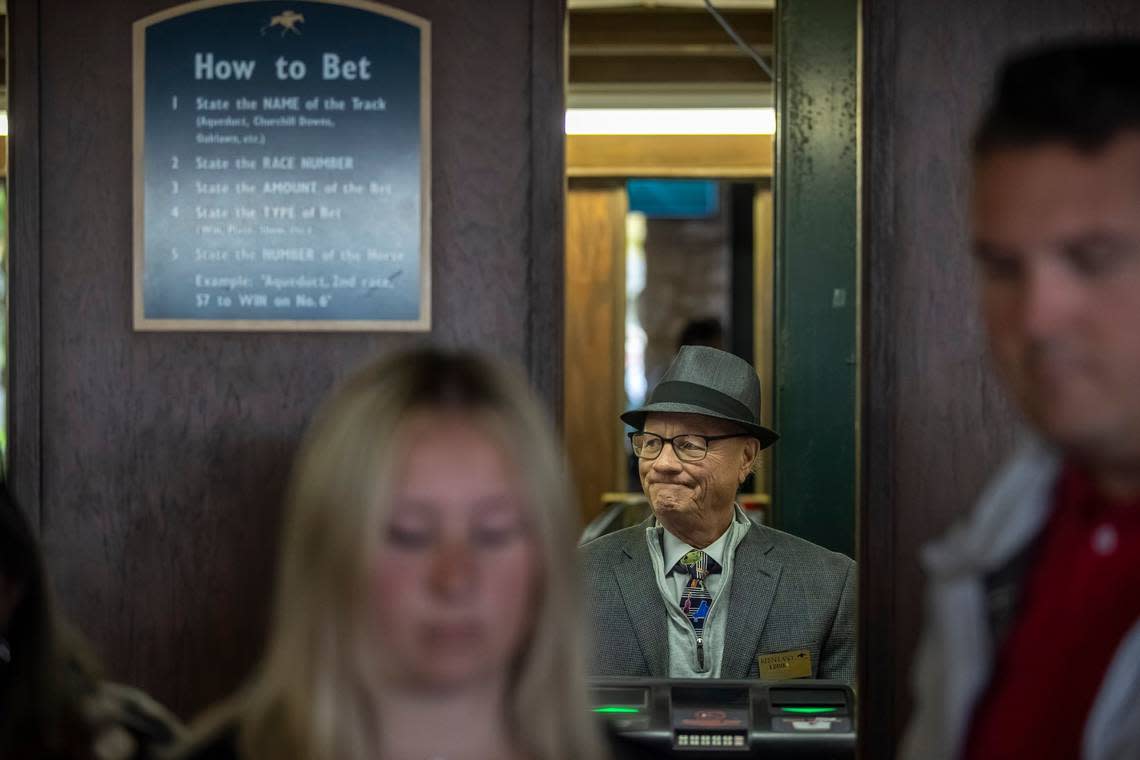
(780,666)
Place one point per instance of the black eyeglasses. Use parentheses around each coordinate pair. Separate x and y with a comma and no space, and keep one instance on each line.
(688,447)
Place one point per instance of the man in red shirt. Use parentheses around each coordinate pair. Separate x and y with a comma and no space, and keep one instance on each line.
(1032,641)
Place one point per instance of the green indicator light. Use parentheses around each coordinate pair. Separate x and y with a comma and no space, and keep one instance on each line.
(613,709)
(809,710)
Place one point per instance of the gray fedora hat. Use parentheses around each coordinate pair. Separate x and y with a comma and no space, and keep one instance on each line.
(703,380)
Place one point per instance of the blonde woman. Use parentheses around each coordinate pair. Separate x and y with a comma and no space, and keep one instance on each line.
(427,604)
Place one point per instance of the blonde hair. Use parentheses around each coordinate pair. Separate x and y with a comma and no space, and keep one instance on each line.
(315,693)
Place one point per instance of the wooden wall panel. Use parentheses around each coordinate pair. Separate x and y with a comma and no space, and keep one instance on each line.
(595,341)
(163,456)
(937,422)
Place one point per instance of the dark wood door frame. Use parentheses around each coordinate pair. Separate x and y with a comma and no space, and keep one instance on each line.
(547,237)
(23,467)
(879,642)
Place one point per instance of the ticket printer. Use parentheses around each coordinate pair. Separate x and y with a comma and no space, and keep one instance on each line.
(700,718)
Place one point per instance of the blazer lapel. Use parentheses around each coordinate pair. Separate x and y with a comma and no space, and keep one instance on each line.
(754,581)
(647,614)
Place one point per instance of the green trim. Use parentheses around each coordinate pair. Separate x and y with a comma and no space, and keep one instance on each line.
(615,709)
(816,299)
(809,710)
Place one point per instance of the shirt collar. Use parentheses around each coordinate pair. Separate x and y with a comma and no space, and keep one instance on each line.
(673,548)
(1075,490)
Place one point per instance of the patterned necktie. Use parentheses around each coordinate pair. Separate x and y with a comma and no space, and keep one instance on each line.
(696,599)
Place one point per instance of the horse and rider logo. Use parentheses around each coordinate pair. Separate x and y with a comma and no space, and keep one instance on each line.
(287,21)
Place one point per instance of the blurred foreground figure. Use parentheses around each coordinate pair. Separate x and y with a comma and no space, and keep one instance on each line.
(427,600)
(1032,640)
(53,705)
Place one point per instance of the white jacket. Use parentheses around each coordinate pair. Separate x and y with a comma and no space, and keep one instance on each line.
(956,650)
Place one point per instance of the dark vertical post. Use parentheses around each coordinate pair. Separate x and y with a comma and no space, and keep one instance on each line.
(878,636)
(546,235)
(742,199)
(817,185)
(23,276)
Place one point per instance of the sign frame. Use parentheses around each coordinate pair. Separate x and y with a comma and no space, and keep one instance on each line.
(138,82)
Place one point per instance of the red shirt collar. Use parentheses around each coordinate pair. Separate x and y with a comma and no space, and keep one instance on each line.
(1076,491)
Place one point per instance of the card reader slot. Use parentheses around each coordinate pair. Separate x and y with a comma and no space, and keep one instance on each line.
(799,697)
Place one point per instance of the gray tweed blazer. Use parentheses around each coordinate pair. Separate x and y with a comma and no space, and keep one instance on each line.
(786,594)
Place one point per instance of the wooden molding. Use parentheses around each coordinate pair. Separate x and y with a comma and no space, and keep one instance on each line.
(669,155)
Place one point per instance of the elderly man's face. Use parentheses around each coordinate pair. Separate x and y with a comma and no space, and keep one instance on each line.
(1057,235)
(689,494)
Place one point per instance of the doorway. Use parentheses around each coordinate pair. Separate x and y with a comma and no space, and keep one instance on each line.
(791,173)
(669,220)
